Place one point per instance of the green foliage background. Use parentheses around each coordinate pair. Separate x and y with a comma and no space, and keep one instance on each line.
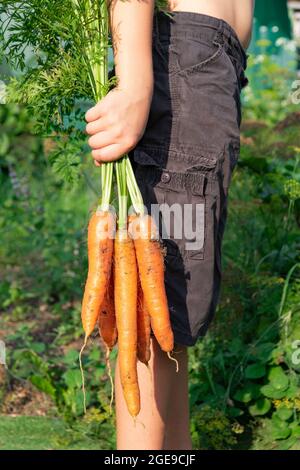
(244,387)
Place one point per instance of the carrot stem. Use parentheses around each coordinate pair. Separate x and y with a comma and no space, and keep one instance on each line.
(120,167)
(106,182)
(133,189)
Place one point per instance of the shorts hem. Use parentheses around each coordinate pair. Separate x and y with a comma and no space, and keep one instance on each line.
(184,339)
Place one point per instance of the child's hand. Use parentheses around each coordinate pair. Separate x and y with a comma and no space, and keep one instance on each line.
(117,122)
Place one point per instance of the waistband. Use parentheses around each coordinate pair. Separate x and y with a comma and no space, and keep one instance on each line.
(185,23)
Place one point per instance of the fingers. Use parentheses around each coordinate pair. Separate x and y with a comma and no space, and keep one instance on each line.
(96,112)
(111,134)
(100,140)
(109,153)
(96,126)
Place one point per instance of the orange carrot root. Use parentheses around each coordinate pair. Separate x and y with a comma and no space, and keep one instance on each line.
(143,329)
(107,318)
(100,249)
(125,274)
(151,273)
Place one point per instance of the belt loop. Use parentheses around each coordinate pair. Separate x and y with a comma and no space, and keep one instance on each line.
(219,37)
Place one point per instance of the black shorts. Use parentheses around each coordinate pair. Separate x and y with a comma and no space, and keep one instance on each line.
(186,157)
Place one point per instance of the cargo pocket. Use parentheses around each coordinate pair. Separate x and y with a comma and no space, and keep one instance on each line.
(195,222)
(185,206)
(202,189)
(189,208)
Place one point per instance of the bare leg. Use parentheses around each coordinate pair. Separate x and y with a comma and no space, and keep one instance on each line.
(157,392)
(177,434)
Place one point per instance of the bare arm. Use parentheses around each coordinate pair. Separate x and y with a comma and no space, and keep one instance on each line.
(118,121)
(131,26)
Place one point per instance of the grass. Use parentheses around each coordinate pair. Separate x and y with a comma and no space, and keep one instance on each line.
(40,433)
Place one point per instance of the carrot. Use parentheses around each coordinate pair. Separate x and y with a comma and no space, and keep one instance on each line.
(107,318)
(100,250)
(143,329)
(108,329)
(125,274)
(151,273)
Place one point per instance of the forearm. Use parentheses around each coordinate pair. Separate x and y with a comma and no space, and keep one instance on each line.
(131,23)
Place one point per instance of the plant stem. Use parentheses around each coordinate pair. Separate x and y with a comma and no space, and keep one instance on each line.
(106,180)
(134,191)
(93,38)
(120,167)
(94,41)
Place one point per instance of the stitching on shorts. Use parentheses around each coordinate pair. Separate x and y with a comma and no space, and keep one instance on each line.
(192,155)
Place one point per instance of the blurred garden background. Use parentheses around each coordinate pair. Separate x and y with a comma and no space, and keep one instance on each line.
(245,382)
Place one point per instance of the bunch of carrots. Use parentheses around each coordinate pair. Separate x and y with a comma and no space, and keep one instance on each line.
(125,293)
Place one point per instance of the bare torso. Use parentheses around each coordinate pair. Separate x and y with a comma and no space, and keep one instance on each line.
(238,13)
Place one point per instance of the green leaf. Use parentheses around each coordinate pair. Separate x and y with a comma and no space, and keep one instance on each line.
(43,384)
(270,392)
(248,393)
(234,412)
(262,352)
(71,357)
(279,428)
(67,167)
(283,413)
(198,391)
(255,371)
(256,164)
(95,355)
(295,427)
(243,395)
(260,408)
(293,390)
(4,144)
(288,443)
(278,378)
(73,378)
(38,347)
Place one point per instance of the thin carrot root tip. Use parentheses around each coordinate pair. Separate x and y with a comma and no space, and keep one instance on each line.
(108,365)
(82,373)
(175,360)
